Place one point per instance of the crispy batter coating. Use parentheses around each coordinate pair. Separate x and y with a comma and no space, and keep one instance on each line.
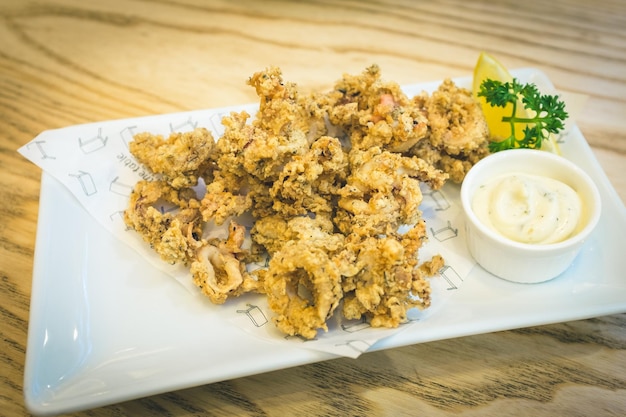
(224,198)
(273,231)
(328,178)
(219,269)
(303,287)
(309,182)
(181,158)
(252,155)
(459,136)
(388,283)
(281,110)
(173,234)
(383,192)
(374,112)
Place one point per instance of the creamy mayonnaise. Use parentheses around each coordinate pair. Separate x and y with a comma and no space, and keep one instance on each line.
(528,208)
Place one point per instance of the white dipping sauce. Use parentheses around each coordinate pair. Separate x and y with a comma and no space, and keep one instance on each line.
(528,208)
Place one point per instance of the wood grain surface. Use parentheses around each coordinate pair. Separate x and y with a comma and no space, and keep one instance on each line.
(64,62)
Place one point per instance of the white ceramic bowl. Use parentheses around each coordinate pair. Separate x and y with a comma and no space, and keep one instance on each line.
(524,262)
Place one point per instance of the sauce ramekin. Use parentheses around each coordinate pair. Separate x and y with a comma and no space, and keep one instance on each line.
(527,262)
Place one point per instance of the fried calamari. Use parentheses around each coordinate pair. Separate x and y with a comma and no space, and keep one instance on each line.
(219,269)
(388,282)
(458,135)
(373,112)
(303,281)
(173,233)
(329,179)
(383,192)
(180,159)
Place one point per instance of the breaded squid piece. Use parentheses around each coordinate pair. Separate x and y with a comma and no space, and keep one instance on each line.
(457,122)
(388,283)
(373,112)
(328,179)
(303,287)
(271,149)
(181,159)
(245,159)
(274,231)
(222,200)
(459,136)
(250,150)
(174,235)
(219,267)
(278,132)
(383,192)
(303,280)
(308,182)
(281,109)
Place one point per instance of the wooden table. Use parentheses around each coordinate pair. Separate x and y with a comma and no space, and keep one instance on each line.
(64,62)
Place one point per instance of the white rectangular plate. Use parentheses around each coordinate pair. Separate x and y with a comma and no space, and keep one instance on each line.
(106,326)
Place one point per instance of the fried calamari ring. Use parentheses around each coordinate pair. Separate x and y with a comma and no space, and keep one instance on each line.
(248,158)
(248,150)
(383,192)
(219,269)
(459,136)
(457,122)
(303,287)
(174,234)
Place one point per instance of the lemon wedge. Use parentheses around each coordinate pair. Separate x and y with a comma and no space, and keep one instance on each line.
(551,145)
(488,67)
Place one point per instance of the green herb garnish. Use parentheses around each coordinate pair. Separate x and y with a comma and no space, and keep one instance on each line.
(545,114)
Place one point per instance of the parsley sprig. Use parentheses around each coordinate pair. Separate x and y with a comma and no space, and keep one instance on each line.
(549,112)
